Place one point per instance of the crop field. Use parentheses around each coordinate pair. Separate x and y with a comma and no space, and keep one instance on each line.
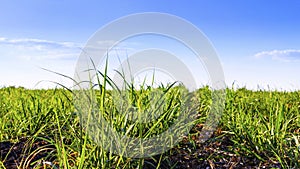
(258,129)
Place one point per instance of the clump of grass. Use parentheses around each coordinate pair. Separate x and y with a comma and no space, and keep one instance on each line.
(136,113)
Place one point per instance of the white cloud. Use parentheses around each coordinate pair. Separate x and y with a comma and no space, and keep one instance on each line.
(2,39)
(288,55)
(39,49)
(29,41)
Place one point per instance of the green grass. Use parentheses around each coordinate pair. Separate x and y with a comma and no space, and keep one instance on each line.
(263,125)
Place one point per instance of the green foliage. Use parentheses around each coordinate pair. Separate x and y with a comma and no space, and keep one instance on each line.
(265,124)
(262,124)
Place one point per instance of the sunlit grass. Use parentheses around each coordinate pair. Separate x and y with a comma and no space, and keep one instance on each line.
(264,125)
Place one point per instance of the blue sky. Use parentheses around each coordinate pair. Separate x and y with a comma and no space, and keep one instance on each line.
(258,42)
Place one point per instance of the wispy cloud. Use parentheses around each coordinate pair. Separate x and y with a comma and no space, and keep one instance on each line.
(288,55)
(29,42)
(39,49)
